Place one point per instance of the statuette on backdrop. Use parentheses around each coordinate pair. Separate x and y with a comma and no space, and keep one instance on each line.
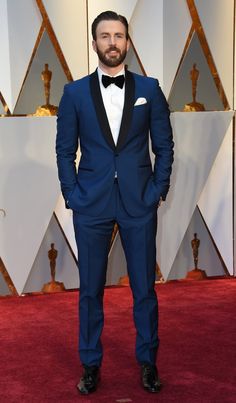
(195,243)
(53,285)
(47,109)
(194,106)
(159,275)
(196,273)
(114,233)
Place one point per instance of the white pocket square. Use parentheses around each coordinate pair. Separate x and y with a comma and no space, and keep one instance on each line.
(140,101)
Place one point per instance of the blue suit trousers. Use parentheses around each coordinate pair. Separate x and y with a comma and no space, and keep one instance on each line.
(138,236)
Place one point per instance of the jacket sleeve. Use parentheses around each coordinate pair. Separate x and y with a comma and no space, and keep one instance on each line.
(161,140)
(67,143)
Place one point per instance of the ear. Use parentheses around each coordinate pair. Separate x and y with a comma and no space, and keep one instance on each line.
(94,45)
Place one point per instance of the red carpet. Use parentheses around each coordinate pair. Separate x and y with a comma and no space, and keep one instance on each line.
(197,360)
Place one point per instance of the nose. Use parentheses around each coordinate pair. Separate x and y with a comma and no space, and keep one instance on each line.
(112,40)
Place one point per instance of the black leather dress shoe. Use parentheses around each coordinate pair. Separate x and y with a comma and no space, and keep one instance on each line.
(89,381)
(150,379)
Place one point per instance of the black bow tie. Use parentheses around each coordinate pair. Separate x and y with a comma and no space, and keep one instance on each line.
(119,81)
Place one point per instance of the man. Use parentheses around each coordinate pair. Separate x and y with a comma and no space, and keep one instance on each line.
(110,113)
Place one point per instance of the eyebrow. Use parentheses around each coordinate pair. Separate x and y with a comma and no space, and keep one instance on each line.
(108,33)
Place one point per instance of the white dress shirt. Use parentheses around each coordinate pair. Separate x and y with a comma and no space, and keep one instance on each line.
(113,99)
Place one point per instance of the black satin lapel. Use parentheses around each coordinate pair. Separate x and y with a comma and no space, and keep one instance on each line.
(128,109)
(100,109)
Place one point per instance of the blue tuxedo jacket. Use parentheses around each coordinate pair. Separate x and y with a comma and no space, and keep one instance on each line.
(82,121)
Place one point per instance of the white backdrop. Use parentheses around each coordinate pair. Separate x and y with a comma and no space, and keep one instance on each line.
(202,176)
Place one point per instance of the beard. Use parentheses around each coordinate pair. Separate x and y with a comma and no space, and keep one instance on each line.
(111,60)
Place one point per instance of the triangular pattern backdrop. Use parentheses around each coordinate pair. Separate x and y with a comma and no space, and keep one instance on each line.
(195,152)
(177,24)
(181,92)
(217,19)
(32,94)
(69,24)
(166,41)
(23,23)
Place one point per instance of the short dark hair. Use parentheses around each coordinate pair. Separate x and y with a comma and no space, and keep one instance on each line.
(109,16)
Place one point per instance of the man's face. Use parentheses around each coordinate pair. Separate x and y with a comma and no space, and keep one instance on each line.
(111,44)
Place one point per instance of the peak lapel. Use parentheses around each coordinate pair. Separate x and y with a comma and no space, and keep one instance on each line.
(100,109)
(128,109)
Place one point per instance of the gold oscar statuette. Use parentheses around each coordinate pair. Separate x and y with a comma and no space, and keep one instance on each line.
(194,106)
(53,285)
(196,273)
(47,109)
(160,278)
